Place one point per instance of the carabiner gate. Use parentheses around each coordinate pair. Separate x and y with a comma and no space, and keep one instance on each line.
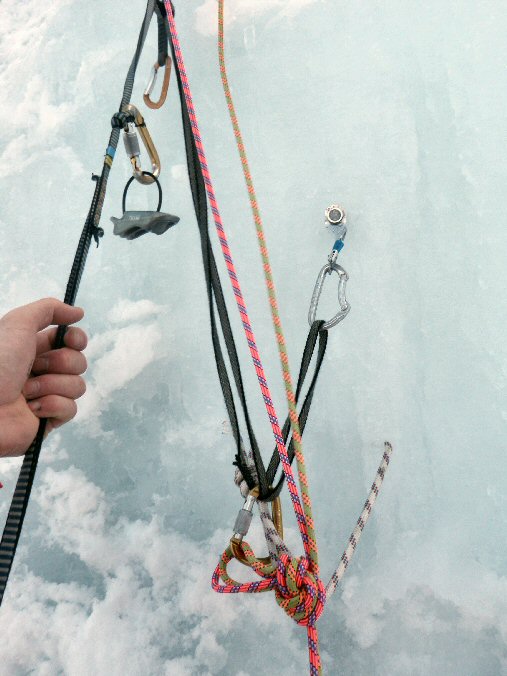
(243,521)
(151,83)
(319,284)
(132,145)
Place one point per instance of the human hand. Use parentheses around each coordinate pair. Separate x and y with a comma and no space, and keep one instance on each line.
(35,380)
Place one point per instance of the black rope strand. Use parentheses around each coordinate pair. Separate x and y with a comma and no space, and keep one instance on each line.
(17,511)
(214,288)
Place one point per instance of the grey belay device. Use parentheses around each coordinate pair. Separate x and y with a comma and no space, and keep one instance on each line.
(133,224)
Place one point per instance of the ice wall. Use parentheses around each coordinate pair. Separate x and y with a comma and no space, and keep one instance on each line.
(394,109)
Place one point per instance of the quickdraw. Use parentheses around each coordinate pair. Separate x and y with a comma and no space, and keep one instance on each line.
(295,580)
(335,217)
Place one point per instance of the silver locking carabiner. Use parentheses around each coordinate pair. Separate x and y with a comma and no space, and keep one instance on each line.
(133,150)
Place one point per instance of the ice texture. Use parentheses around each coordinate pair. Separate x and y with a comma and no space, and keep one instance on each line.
(395,110)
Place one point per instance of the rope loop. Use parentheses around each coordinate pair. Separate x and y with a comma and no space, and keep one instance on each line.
(299,591)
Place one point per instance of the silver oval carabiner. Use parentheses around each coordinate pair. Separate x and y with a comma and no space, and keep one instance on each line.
(319,284)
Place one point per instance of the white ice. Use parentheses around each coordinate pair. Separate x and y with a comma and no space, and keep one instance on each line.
(396,110)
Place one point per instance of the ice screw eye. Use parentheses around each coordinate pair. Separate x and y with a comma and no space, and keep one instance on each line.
(335,215)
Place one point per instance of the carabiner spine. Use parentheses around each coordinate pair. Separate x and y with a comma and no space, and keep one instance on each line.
(154,105)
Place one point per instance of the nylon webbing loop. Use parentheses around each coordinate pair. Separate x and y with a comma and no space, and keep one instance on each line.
(316,333)
(17,511)
(240,302)
(216,303)
(163,34)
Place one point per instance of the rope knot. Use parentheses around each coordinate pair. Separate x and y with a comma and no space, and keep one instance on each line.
(299,591)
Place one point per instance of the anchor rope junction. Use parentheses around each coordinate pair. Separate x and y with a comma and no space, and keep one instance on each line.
(296,582)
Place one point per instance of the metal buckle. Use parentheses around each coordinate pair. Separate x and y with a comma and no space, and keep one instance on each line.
(319,284)
(151,83)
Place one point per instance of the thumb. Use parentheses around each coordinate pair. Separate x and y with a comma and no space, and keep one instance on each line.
(43,313)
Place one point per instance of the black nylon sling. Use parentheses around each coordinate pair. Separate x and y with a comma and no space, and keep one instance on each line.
(215,297)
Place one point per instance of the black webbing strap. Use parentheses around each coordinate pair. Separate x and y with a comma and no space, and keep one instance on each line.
(316,331)
(215,293)
(17,511)
(163,33)
(216,300)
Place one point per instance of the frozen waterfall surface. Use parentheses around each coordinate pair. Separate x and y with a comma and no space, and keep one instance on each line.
(396,110)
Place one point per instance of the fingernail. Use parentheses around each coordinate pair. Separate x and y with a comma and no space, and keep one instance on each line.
(31,387)
(80,343)
(34,405)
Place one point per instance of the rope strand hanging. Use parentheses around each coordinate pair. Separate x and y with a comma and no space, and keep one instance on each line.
(316,589)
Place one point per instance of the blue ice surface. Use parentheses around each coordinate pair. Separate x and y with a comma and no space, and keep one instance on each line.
(395,111)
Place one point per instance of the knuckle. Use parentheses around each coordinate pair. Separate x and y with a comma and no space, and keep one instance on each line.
(47,304)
